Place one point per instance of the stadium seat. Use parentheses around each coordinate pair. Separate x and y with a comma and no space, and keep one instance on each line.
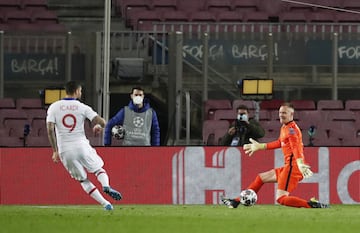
(33,114)
(202,16)
(16,126)
(330,105)
(341,115)
(257,16)
(218,134)
(352,105)
(38,127)
(211,105)
(308,118)
(124,5)
(18,16)
(168,5)
(6,103)
(345,17)
(209,127)
(303,104)
(321,17)
(29,103)
(11,3)
(292,17)
(271,104)
(225,114)
(11,114)
(351,4)
(244,5)
(229,16)
(173,16)
(218,5)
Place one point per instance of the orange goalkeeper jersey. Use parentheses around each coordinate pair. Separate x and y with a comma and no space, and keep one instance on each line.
(290,141)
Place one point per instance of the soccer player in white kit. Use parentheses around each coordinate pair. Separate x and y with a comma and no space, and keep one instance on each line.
(65,126)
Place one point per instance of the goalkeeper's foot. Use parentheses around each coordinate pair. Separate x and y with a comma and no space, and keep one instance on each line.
(112,193)
(230,203)
(313,203)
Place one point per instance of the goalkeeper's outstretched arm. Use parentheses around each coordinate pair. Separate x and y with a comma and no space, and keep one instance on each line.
(253,146)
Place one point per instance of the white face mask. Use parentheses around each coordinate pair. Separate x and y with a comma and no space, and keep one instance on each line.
(138,99)
(242,117)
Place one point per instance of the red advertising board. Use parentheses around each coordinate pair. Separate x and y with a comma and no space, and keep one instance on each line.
(175,175)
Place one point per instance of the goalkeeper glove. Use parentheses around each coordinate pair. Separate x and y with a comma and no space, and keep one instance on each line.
(304,168)
(253,146)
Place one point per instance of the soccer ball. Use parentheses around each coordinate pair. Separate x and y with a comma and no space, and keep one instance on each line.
(118,132)
(248,197)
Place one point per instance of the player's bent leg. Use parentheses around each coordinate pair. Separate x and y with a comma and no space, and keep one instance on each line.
(90,189)
(292,201)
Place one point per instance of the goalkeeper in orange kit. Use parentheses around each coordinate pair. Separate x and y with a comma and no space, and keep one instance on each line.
(294,169)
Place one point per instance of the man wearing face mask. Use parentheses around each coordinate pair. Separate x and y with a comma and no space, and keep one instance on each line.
(242,129)
(139,121)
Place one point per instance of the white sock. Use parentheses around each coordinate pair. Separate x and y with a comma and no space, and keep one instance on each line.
(90,189)
(102,177)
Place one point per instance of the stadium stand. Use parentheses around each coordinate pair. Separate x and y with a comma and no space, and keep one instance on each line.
(211,106)
(6,103)
(212,127)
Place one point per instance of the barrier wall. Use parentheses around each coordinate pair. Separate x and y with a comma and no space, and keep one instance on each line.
(175,175)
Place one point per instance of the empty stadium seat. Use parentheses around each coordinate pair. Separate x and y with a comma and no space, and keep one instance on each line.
(38,127)
(29,103)
(218,5)
(271,104)
(225,114)
(211,105)
(244,5)
(257,16)
(7,103)
(37,3)
(303,104)
(11,114)
(209,127)
(352,105)
(16,126)
(330,105)
(229,16)
(308,118)
(292,17)
(341,115)
(164,4)
(202,16)
(272,128)
(351,4)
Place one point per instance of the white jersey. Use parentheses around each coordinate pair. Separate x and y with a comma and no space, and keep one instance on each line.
(69,116)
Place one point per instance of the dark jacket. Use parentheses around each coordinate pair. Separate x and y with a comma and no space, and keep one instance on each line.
(245,132)
(118,119)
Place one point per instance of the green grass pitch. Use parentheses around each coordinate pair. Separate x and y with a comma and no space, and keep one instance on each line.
(178,218)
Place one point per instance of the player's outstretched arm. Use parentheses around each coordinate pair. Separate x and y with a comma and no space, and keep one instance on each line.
(253,146)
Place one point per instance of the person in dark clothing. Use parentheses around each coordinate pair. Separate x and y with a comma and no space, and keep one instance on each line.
(139,121)
(242,129)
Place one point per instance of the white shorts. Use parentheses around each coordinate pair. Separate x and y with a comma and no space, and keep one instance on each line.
(77,160)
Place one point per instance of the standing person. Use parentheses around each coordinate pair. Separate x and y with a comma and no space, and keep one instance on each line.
(139,121)
(65,127)
(294,169)
(242,129)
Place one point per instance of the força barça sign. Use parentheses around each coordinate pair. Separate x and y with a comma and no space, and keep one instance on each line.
(177,175)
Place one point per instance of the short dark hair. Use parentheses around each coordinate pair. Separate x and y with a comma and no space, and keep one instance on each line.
(71,87)
(137,88)
(242,107)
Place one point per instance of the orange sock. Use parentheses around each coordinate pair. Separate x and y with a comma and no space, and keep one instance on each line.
(292,201)
(255,185)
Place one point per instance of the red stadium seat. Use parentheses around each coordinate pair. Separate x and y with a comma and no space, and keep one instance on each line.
(168,5)
(330,105)
(303,104)
(248,103)
(11,142)
(225,114)
(218,5)
(11,114)
(229,16)
(271,104)
(7,103)
(351,4)
(41,141)
(244,5)
(209,127)
(202,16)
(297,17)
(29,103)
(211,105)
(352,105)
